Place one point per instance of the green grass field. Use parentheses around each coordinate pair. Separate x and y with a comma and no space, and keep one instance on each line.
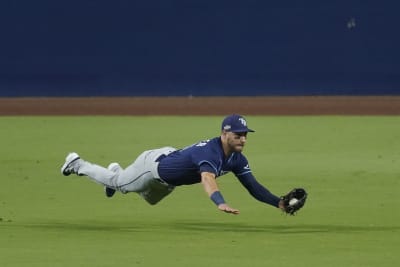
(349,165)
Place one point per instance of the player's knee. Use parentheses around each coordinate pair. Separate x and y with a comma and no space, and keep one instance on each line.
(152,201)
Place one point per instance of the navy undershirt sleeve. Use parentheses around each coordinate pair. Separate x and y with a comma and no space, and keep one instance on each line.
(258,191)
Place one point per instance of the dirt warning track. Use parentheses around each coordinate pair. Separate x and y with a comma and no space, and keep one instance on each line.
(307,105)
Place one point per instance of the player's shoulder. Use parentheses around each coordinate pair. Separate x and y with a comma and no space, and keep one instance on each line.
(211,148)
(239,157)
(240,164)
(204,146)
(214,143)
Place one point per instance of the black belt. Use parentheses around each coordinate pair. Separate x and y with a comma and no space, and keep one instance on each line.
(161,157)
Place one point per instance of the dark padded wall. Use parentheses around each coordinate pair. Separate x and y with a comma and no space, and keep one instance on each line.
(200,48)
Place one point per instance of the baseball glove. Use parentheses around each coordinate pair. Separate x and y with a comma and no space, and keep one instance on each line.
(294,200)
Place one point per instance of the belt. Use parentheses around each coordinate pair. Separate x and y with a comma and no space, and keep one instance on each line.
(161,157)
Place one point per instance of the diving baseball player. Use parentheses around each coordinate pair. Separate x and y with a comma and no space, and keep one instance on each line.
(156,173)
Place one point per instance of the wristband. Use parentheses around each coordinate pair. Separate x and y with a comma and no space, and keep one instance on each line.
(217,198)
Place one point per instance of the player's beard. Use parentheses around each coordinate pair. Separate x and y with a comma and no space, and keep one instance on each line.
(239,148)
(235,146)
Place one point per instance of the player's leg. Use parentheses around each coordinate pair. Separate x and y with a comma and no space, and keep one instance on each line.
(75,165)
(132,179)
(137,177)
(156,191)
(115,167)
(150,188)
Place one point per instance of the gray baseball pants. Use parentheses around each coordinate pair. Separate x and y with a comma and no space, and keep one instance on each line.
(141,176)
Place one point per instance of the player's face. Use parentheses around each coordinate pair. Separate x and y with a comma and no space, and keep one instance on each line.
(236,141)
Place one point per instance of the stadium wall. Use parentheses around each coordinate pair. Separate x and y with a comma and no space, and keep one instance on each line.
(199,48)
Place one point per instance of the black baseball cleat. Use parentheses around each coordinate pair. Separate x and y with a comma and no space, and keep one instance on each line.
(109,191)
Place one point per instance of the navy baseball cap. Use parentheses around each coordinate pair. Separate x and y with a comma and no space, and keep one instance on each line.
(235,123)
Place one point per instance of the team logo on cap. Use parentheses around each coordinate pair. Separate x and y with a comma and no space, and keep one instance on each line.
(243,121)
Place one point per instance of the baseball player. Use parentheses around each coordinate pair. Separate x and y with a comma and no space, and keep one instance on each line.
(156,173)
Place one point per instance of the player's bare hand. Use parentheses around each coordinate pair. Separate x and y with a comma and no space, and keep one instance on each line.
(227,209)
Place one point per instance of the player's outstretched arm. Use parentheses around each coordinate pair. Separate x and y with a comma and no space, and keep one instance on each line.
(211,188)
(259,192)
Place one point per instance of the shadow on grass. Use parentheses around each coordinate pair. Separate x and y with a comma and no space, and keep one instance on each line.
(190,226)
(280,229)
